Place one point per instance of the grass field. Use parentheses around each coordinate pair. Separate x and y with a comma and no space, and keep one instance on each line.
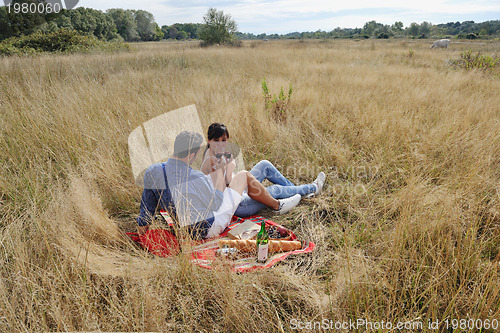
(407,230)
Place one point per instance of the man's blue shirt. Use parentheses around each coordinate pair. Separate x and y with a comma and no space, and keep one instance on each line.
(185,193)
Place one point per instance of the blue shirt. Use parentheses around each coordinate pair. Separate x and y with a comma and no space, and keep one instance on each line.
(185,193)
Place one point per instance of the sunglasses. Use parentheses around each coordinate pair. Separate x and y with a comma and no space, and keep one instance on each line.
(219,155)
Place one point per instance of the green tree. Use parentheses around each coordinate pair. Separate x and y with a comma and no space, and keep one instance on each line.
(64,21)
(425,29)
(5,30)
(158,35)
(413,29)
(125,23)
(145,25)
(218,28)
(182,35)
(89,21)
(106,27)
(191,29)
(83,20)
(383,31)
(397,26)
(23,23)
(164,29)
(371,27)
(172,32)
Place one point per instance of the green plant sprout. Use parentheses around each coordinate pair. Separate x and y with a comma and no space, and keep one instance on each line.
(277,105)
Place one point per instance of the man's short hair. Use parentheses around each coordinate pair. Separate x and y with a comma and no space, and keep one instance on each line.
(187,143)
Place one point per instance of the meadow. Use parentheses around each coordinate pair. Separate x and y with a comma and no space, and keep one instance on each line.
(407,229)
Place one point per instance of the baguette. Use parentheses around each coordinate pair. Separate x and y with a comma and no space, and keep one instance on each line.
(249,245)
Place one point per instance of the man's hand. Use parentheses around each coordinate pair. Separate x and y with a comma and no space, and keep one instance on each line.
(141,230)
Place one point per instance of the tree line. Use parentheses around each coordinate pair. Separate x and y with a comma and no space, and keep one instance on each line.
(373,29)
(114,24)
(140,25)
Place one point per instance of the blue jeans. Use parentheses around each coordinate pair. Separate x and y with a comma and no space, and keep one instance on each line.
(282,188)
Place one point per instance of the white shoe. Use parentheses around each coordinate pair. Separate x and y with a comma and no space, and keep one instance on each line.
(287,204)
(319,182)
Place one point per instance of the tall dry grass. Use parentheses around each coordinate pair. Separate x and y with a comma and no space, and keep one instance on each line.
(407,229)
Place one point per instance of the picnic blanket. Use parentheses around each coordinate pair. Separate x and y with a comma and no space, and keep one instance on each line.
(203,253)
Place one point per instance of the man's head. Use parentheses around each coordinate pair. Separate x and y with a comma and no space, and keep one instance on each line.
(187,143)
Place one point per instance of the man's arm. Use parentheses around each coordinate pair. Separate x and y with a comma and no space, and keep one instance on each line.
(149,202)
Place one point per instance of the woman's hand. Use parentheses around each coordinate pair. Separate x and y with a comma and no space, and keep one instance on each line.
(223,160)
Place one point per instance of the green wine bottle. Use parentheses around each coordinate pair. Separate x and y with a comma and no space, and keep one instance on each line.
(262,243)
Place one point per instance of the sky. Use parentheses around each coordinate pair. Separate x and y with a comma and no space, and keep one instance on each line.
(284,16)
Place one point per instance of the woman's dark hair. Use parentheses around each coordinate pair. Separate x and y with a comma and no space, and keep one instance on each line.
(215,130)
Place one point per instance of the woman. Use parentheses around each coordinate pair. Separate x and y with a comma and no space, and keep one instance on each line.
(217,157)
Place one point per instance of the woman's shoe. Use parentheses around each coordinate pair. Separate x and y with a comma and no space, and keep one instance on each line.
(287,204)
(319,182)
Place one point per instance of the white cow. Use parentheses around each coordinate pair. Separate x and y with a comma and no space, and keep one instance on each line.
(440,43)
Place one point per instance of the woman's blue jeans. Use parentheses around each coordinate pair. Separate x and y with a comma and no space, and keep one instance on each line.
(282,188)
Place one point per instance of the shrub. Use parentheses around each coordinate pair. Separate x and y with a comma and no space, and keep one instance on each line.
(470,61)
(60,41)
(471,36)
(236,43)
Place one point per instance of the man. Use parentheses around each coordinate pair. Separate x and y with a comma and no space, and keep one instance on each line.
(203,205)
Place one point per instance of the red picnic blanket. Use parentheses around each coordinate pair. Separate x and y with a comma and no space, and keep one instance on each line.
(203,253)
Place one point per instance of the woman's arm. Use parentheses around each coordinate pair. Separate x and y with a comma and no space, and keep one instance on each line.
(229,171)
(207,165)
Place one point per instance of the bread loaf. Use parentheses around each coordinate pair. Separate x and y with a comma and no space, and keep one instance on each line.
(249,245)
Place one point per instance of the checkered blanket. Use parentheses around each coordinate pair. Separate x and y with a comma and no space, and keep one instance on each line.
(203,253)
